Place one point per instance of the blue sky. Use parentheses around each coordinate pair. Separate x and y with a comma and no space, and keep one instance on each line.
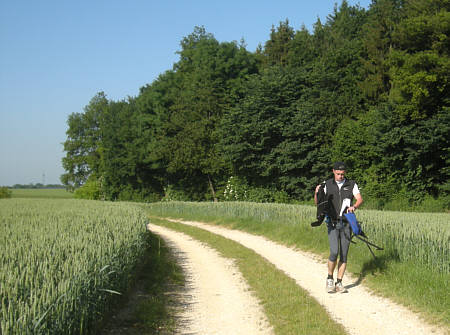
(57,54)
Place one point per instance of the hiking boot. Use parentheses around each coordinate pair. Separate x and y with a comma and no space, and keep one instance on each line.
(330,286)
(340,288)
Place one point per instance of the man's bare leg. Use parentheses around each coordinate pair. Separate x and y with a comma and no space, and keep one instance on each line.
(331,267)
(341,270)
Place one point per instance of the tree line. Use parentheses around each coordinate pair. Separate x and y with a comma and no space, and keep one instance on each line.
(368,87)
(36,186)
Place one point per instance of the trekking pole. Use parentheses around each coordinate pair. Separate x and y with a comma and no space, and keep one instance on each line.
(369,243)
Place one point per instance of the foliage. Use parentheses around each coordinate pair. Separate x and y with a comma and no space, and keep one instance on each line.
(369,87)
(90,190)
(172,194)
(206,71)
(377,44)
(83,144)
(236,189)
(420,63)
(5,192)
(261,194)
(276,49)
(277,143)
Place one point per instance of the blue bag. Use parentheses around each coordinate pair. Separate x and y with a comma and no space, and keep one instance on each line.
(354,224)
(358,233)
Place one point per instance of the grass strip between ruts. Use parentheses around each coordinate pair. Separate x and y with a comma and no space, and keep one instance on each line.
(148,308)
(289,308)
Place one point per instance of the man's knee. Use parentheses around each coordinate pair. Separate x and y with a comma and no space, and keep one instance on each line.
(333,255)
(333,239)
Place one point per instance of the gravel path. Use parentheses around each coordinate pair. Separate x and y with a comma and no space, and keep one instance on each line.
(375,315)
(219,300)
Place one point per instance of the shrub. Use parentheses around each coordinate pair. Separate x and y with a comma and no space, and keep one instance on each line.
(136,195)
(235,189)
(430,204)
(90,190)
(173,194)
(267,195)
(5,192)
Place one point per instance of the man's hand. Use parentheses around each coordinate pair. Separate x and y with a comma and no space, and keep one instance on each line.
(351,209)
(359,201)
(316,224)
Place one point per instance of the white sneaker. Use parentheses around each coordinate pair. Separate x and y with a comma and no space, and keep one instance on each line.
(340,288)
(330,286)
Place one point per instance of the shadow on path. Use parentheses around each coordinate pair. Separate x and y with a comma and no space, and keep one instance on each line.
(377,265)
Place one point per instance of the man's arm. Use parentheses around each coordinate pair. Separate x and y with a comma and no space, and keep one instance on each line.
(315,193)
(359,201)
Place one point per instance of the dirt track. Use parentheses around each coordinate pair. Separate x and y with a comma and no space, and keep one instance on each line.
(375,315)
(220,301)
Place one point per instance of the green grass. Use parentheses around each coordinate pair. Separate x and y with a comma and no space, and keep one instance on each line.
(419,285)
(56,193)
(288,307)
(148,308)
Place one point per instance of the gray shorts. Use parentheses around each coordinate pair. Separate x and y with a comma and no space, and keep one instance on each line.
(339,240)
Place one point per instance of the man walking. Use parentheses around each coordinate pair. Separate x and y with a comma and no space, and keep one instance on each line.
(340,193)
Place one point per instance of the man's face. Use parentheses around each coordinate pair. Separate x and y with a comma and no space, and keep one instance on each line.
(339,175)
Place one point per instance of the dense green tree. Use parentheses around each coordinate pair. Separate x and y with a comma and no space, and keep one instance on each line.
(276,49)
(367,86)
(119,155)
(364,143)
(378,30)
(418,155)
(153,105)
(339,69)
(388,157)
(208,74)
(251,130)
(83,144)
(269,140)
(302,51)
(420,63)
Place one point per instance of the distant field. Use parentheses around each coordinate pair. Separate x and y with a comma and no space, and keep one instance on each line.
(53,193)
